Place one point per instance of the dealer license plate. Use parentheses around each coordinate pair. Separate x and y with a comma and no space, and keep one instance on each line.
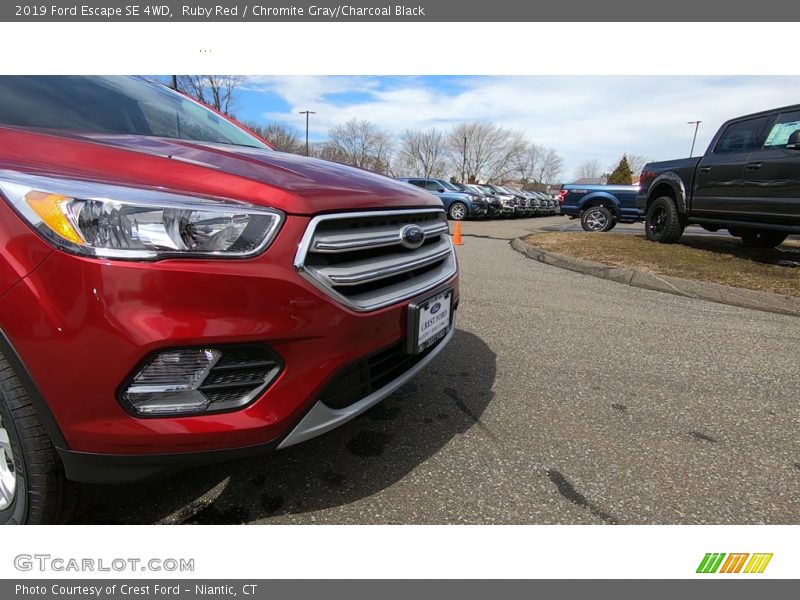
(429,321)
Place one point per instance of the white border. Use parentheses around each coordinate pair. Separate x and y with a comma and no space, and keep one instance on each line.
(400,48)
(407,49)
(322,552)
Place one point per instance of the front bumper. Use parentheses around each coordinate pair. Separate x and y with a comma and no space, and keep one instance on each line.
(81,325)
(109,469)
(478,210)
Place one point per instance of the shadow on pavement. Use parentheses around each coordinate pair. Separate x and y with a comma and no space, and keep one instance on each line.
(730,246)
(353,462)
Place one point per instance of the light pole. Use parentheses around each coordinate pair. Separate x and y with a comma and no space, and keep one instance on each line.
(694,139)
(306,113)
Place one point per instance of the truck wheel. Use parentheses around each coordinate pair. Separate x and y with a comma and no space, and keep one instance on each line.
(663,223)
(763,239)
(458,211)
(597,219)
(32,485)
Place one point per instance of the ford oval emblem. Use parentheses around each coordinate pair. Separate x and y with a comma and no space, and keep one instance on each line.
(412,236)
(436,308)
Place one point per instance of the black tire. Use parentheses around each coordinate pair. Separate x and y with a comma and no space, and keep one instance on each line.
(597,219)
(613,224)
(42,495)
(763,239)
(663,223)
(457,211)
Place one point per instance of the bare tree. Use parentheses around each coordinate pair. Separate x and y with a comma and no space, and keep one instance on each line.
(422,153)
(589,169)
(507,153)
(481,150)
(551,166)
(326,151)
(637,163)
(359,143)
(528,162)
(215,91)
(538,164)
(283,137)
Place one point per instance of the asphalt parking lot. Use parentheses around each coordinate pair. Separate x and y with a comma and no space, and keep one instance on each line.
(562,399)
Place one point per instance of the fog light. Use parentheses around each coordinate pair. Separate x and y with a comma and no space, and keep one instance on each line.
(200,380)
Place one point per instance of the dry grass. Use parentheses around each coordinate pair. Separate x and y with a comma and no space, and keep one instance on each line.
(702,258)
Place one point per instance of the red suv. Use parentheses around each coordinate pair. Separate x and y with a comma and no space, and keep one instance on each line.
(173,291)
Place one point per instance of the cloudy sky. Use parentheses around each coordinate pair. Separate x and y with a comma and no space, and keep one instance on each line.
(582,117)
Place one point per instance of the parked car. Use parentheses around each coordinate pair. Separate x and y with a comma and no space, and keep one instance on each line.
(461,187)
(458,205)
(600,207)
(507,201)
(746,182)
(530,207)
(546,205)
(171,297)
(494,205)
(533,203)
(552,204)
(520,201)
(555,207)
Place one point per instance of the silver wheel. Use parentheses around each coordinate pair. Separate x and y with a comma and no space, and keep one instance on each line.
(8,475)
(596,220)
(458,211)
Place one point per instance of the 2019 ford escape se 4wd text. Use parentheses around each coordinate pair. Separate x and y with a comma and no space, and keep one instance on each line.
(173,291)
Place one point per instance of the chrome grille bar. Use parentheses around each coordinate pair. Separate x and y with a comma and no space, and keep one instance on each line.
(358,258)
(366,271)
(343,240)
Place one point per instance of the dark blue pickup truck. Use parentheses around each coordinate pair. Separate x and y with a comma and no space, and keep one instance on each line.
(600,207)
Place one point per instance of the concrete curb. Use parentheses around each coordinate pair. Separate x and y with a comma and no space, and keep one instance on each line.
(712,292)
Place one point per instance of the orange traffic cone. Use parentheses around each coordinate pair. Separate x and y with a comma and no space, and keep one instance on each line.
(457,235)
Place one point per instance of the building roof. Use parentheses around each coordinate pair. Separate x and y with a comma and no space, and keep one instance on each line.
(590,181)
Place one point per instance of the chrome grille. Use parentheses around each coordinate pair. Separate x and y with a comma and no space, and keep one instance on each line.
(358,258)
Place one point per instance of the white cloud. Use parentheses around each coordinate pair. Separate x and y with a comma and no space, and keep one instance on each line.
(583,117)
(304,90)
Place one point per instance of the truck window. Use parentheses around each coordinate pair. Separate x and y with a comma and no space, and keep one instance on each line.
(743,136)
(785,125)
(432,186)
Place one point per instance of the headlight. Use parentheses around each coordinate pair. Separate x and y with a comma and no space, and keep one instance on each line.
(112,221)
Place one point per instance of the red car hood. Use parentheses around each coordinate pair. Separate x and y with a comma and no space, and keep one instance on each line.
(294,184)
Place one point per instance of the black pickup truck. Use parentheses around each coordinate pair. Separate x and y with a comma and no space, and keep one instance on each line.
(748,182)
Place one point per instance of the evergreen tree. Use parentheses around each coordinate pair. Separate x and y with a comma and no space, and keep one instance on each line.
(622,175)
